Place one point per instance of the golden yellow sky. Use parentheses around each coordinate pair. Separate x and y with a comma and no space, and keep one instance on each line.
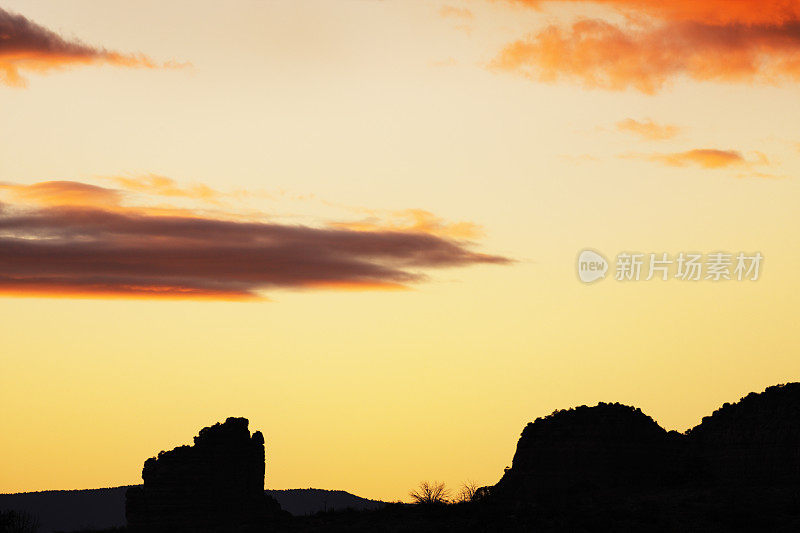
(488,116)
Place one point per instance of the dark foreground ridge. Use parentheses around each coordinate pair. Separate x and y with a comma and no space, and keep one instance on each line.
(215,485)
(755,442)
(608,467)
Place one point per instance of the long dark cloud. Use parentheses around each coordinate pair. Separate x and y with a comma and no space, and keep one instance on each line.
(91,251)
(27,46)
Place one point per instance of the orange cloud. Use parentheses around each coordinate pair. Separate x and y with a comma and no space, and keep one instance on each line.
(135,197)
(415,221)
(163,186)
(27,46)
(705,11)
(58,193)
(705,158)
(604,55)
(65,193)
(648,129)
(725,40)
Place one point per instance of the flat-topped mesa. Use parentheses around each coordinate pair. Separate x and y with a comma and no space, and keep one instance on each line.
(215,485)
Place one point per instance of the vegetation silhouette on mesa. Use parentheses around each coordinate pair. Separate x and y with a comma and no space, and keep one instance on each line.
(604,468)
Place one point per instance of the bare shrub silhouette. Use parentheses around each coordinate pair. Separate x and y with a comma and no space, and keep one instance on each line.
(467,491)
(430,493)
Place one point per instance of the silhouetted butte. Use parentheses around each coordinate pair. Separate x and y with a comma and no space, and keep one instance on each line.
(216,485)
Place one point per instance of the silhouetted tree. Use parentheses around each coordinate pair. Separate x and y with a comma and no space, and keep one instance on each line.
(467,491)
(430,493)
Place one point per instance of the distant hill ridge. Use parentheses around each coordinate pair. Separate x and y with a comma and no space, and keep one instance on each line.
(299,502)
(71,510)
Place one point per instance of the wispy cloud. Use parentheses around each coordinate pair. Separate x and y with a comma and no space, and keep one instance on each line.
(701,157)
(414,221)
(720,40)
(27,46)
(64,238)
(647,129)
(163,186)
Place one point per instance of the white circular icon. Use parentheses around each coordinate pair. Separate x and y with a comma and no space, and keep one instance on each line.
(591,266)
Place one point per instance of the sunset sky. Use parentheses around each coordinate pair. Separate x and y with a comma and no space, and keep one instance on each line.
(356,222)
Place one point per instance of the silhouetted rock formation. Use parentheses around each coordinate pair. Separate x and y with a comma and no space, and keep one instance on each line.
(611,446)
(215,485)
(754,441)
(586,448)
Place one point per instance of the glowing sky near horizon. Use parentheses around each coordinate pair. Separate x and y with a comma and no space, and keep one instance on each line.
(462,151)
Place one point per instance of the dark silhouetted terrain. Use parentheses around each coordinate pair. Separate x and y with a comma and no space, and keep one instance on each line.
(71,510)
(300,502)
(218,482)
(604,468)
(68,510)
(754,441)
(603,447)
